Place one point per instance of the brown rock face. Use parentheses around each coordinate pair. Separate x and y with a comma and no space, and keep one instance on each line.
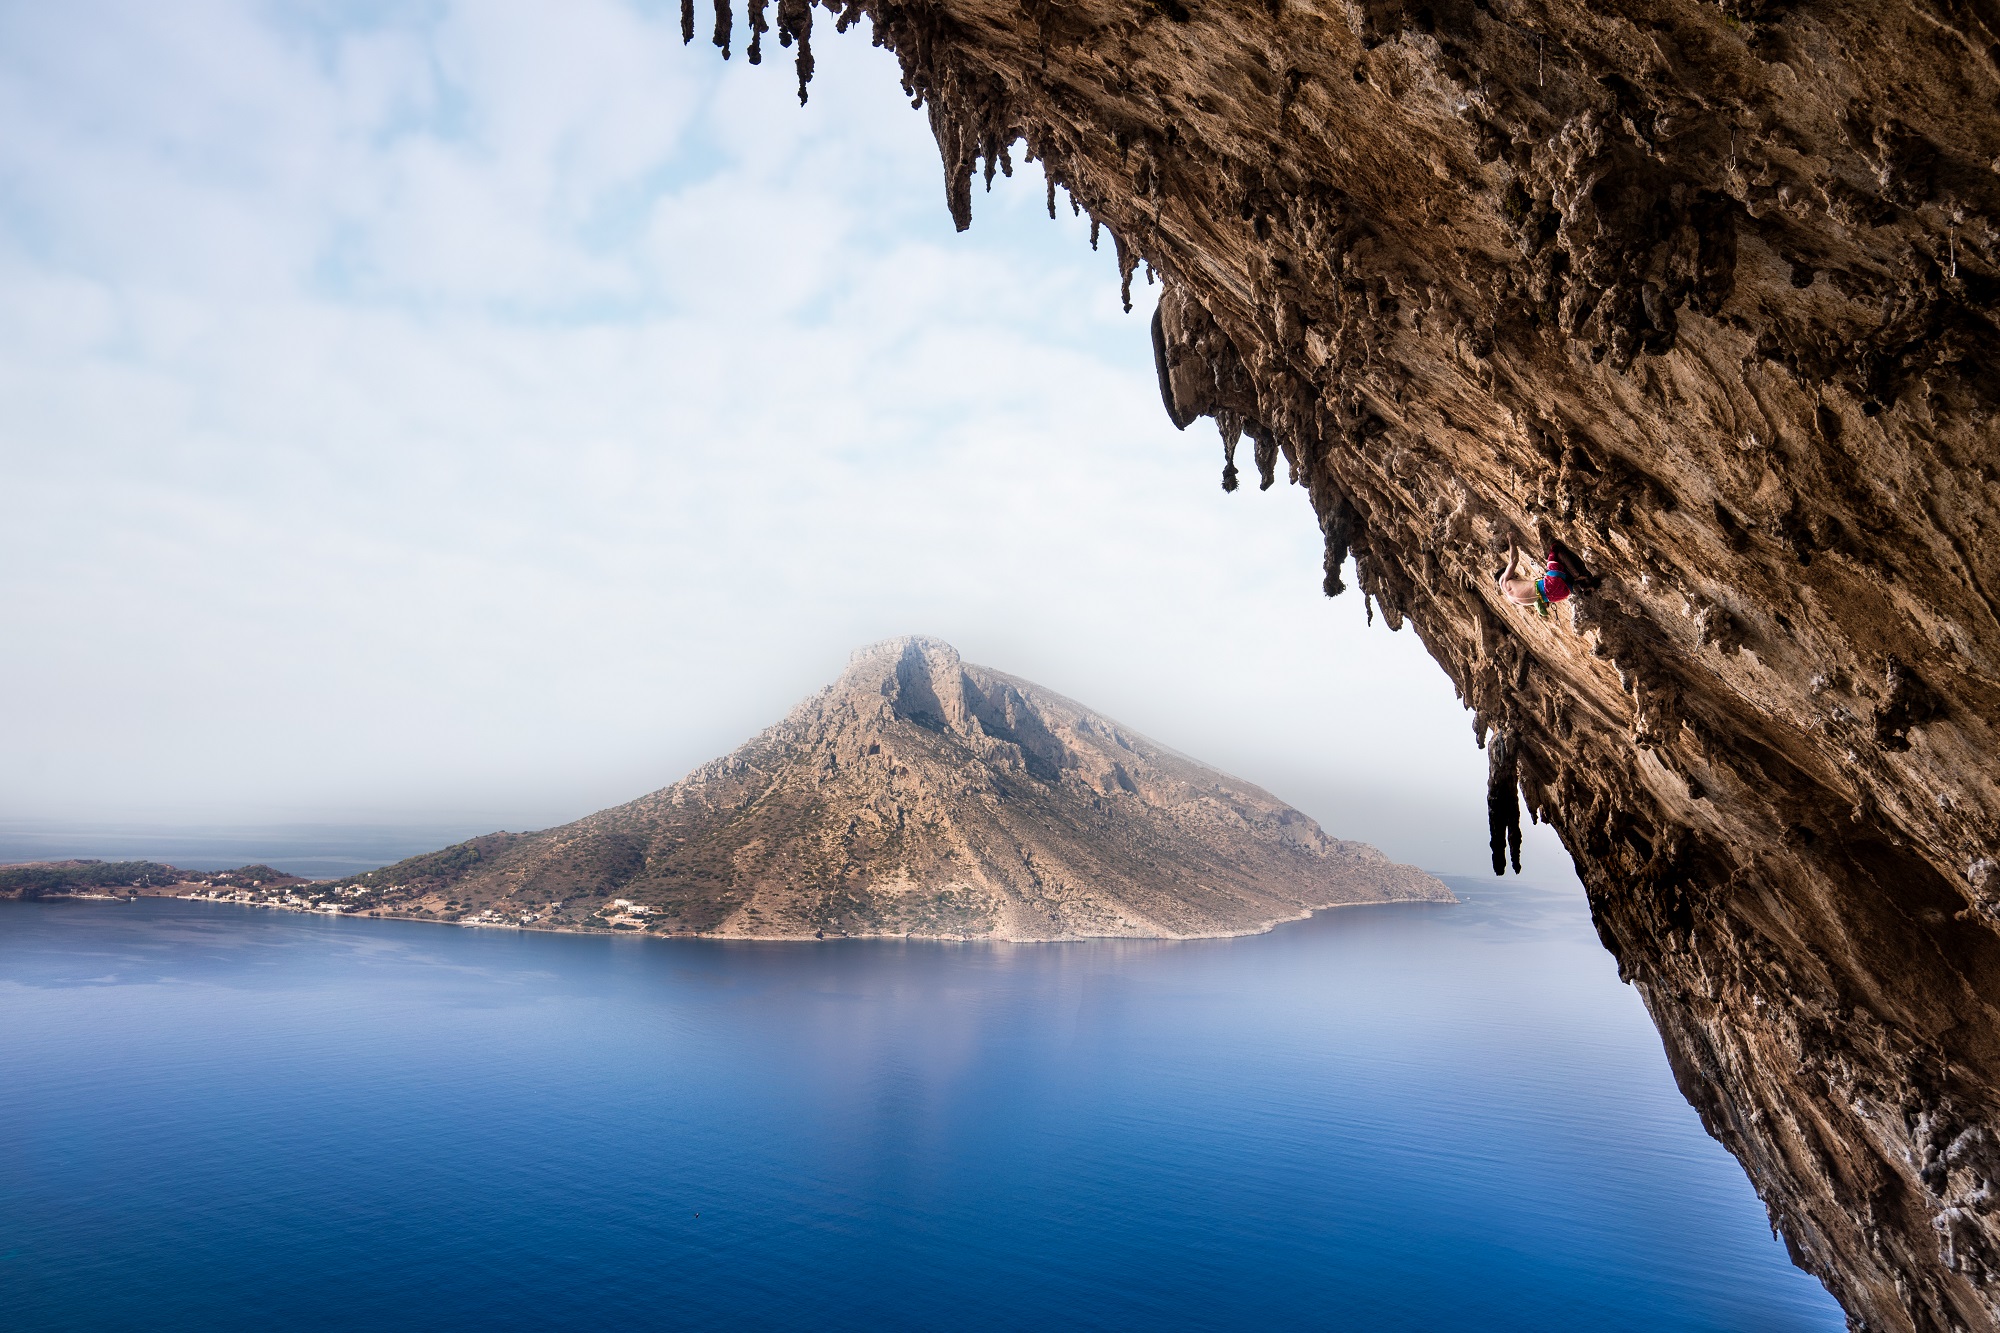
(922,795)
(1704,293)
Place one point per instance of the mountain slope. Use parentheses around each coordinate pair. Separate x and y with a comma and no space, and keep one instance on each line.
(922,795)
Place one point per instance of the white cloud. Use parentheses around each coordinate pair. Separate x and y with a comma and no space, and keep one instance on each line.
(496,410)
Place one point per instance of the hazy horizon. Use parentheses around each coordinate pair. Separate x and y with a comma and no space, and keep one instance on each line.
(475,415)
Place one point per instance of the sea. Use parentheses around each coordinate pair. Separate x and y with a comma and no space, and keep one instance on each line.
(1418,1117)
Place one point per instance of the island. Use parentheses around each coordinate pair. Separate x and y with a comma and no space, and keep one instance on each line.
(918,795)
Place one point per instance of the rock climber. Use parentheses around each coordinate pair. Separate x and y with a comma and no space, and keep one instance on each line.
(1522,585)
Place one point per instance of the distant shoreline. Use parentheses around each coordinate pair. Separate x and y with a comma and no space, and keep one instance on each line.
(612,933)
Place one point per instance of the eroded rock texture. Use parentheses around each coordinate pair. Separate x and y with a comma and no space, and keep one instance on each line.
(1703,292)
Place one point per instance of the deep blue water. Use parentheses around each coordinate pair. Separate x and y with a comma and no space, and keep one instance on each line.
(222,1118)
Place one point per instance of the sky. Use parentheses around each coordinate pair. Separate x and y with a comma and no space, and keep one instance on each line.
(483,413)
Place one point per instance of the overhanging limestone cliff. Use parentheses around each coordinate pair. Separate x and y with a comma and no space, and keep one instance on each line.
(1705,293)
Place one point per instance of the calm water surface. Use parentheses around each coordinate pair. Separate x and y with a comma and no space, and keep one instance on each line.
(222,1118)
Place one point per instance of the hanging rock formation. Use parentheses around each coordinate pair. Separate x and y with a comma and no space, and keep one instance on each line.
(1705,293)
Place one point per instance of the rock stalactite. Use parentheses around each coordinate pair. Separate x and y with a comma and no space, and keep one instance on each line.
(1704,293)
(1503,803)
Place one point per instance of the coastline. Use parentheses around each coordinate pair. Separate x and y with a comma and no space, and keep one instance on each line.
(378,915)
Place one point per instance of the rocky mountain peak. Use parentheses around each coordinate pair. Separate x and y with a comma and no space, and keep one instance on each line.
(921,794)
(922,678)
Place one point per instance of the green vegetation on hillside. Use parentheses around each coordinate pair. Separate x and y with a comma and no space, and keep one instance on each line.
(436,870)
(35,881)
(53,878)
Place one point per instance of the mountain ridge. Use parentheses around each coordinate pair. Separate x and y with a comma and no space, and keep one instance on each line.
(918,795)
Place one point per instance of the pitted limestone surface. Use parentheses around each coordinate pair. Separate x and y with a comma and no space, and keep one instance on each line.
(1705,294)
